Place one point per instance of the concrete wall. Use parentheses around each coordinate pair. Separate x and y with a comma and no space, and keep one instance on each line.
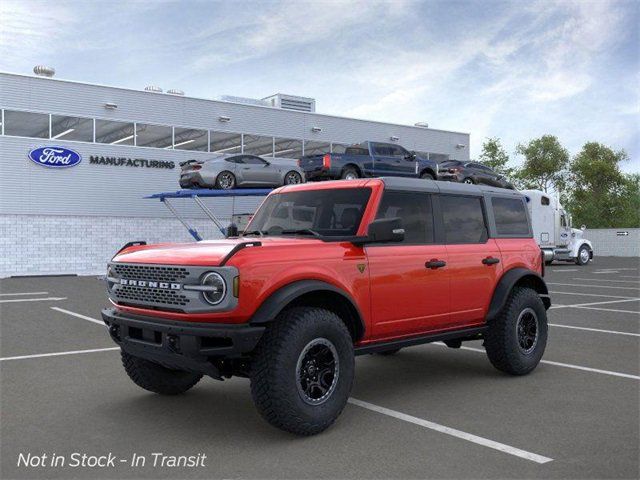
(612,242)
(56,244)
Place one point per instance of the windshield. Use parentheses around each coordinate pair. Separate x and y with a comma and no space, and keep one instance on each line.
(335,212)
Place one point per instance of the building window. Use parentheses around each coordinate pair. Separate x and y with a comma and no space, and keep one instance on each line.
(26,124)
(158,136)
(287,148)
(71,128)
(224,142)
(316,148)
(190,139)
(114,133)
(258,145)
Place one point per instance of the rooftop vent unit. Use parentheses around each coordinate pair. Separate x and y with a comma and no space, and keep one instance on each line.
(422,124)
(292,102)
(152,88)
(175,91)
(244,100)
(44,71)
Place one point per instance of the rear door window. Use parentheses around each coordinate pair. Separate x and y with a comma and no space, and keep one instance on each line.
(511,217)
(414,209)
(463,219)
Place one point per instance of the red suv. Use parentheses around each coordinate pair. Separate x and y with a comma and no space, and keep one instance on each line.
(325,272)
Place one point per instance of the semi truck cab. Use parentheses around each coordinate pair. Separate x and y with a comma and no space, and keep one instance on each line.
(553,231)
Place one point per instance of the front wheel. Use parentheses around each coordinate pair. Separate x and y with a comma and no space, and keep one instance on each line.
(517,337)
(225,180)
(302,370)
(350,173)
(469,181)
(427,176)
(156,378)
(584,255)
(292,178)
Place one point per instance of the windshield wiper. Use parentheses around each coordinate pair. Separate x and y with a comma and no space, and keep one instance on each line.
(302,231)
(260,233)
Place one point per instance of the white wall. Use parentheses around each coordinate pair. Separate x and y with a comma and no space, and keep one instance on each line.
(608,242)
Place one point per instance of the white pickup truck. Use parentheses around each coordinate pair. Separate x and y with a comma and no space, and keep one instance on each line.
(552,230)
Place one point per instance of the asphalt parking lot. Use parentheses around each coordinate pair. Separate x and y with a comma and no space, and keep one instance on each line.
(428,412)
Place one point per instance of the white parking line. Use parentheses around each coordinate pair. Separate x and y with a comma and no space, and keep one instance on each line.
(23,293)
(74,314)
(629,276)
(606,280)
(595,330)
(48,299)
(56,354)
(588,294)
(594,286)
(485,442)
(606,272)
(610,310)
(566,365)
(560,270)
(589,304)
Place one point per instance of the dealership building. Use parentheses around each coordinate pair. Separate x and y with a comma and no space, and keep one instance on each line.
(129,144)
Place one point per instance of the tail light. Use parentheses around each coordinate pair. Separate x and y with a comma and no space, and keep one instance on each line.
(299,163)
(454,170)
(326,161)
(196,167)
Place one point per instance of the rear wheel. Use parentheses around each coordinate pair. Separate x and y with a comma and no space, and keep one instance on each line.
(427,176)
(225,180)
(156,378)
(302,371)
(584,255)
(517,337)
(350,173)
(468,181)
(292,178)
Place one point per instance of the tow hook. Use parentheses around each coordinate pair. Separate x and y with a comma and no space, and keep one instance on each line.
(114,331)
(172,343)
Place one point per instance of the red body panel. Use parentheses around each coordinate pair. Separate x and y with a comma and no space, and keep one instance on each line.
(396,294)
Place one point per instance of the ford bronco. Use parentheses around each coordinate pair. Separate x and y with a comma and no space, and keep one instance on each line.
(324,272)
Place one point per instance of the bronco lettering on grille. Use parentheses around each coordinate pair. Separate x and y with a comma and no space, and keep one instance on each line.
(150,284)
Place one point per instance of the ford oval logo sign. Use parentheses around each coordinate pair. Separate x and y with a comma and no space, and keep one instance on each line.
(55,157)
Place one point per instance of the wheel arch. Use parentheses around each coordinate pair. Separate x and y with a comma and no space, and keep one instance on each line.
(430,171)
(517,277)
(314,293)
(355,166)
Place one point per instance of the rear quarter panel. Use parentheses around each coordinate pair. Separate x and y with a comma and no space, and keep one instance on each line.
(520,252)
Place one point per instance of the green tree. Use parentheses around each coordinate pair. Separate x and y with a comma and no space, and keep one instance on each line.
(545,164)
(601,195)
(495,156)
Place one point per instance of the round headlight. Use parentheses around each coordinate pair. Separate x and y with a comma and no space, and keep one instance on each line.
(216,288)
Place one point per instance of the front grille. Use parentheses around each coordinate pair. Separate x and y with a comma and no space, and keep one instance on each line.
(151,272)
(153,295)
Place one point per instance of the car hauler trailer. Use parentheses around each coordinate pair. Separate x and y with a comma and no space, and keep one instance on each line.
(553,232)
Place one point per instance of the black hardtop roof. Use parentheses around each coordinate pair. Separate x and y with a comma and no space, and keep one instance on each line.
(432,186)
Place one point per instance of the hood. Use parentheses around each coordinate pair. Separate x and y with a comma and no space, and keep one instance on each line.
(206,253)
(576,233)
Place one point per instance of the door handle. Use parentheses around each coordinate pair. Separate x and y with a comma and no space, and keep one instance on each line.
(433,264)
(490,260)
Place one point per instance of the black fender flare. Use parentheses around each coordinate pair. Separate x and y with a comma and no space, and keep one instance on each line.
(278,300)
(506,284)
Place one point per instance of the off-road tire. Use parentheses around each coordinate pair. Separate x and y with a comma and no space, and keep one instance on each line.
(220,177)
(579,260)
(427,176)
(501,338)
(156,378)
(274,374)
(349,173)
(388,353)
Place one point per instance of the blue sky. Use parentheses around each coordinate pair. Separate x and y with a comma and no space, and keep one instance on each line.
(515,70)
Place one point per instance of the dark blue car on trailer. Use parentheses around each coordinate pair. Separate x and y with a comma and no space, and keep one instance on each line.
(368,159)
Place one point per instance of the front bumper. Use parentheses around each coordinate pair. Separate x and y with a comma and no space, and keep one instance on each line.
(449,177)
(181,345)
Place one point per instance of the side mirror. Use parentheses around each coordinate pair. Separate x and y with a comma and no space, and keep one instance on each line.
(410,156)
(583,228)
(384,230)
(232,230)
